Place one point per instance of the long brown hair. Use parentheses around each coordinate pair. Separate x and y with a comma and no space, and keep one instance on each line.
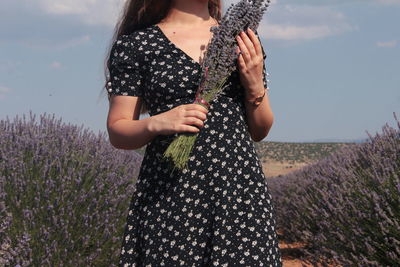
(139,14)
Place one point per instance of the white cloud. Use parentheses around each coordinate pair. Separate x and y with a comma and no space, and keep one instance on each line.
(387,44)
(284,20)
(9,66)
(93,12)
(289,22)
(51,44)
(295,21)
(302,22)
(55,65)
(293,32)
(339,2)
(3,91)
(75,42)
(388,2)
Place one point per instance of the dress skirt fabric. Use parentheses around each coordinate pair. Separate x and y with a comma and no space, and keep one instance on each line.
(216,212)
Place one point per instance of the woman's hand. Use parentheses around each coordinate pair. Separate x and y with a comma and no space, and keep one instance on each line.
(250,62)
(179,119)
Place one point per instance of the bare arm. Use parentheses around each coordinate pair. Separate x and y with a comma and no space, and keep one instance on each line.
(252,71)
(259,118)
(126,131)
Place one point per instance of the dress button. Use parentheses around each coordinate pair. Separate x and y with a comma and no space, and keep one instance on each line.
(109,87)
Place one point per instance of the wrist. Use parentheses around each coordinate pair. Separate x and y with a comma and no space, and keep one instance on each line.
(255,99)
(255,91)
(151,127)
(251,95)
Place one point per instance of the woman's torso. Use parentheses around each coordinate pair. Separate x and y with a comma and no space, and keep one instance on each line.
(170,79)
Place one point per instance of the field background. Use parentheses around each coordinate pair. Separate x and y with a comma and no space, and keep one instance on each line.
(323,193)
(281,158)
(333,73)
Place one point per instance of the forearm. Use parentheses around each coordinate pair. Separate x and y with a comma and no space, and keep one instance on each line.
(131,134)
(259,118)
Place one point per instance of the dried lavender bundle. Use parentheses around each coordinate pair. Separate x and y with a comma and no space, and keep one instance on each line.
(220,58)
(218,64)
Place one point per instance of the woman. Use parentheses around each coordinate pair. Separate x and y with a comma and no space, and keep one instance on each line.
(218,211)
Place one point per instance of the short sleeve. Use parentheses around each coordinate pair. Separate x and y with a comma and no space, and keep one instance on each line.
(125,68)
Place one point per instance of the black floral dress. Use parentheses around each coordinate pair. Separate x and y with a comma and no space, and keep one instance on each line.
(218,211)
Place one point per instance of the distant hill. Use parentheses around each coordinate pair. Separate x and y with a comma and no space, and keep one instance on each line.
(333,140)
(287,152)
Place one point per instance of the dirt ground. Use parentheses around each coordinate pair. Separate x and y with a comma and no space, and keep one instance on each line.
(271,169)
(274,168)
(291,261)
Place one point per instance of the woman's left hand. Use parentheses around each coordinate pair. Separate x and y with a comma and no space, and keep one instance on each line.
(250,62)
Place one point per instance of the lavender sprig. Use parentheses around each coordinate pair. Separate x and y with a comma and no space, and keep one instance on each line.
(220,57)
(218,64)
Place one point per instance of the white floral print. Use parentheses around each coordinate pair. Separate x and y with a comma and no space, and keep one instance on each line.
(218,211)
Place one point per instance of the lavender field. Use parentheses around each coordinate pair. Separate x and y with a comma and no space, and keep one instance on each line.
(65,192)
(345,208)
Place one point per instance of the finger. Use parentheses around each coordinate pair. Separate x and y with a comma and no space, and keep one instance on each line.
(196,113)
(188,128)
(256,41)
(245,53)
(237,50)
(193,121)
(241,63)
(249,44)
(197,107)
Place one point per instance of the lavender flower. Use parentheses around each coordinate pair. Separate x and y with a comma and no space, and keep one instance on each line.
(64,194)
(345,207)
(220,57)
(218,64)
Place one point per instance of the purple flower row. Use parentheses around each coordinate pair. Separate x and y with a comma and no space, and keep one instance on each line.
(64,194)
(346,207)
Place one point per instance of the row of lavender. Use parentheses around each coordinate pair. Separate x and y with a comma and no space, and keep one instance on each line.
(346,207)
(64,194)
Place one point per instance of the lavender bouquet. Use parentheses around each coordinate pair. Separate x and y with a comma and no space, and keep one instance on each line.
(218,64)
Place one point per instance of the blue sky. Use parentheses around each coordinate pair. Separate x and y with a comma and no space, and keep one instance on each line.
(334,65)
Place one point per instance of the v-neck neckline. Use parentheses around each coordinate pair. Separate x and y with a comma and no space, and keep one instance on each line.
(175,46)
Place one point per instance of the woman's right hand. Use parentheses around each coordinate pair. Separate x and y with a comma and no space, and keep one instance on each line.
(183,118)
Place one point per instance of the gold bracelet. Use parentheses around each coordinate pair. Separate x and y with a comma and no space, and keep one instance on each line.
(257,101)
